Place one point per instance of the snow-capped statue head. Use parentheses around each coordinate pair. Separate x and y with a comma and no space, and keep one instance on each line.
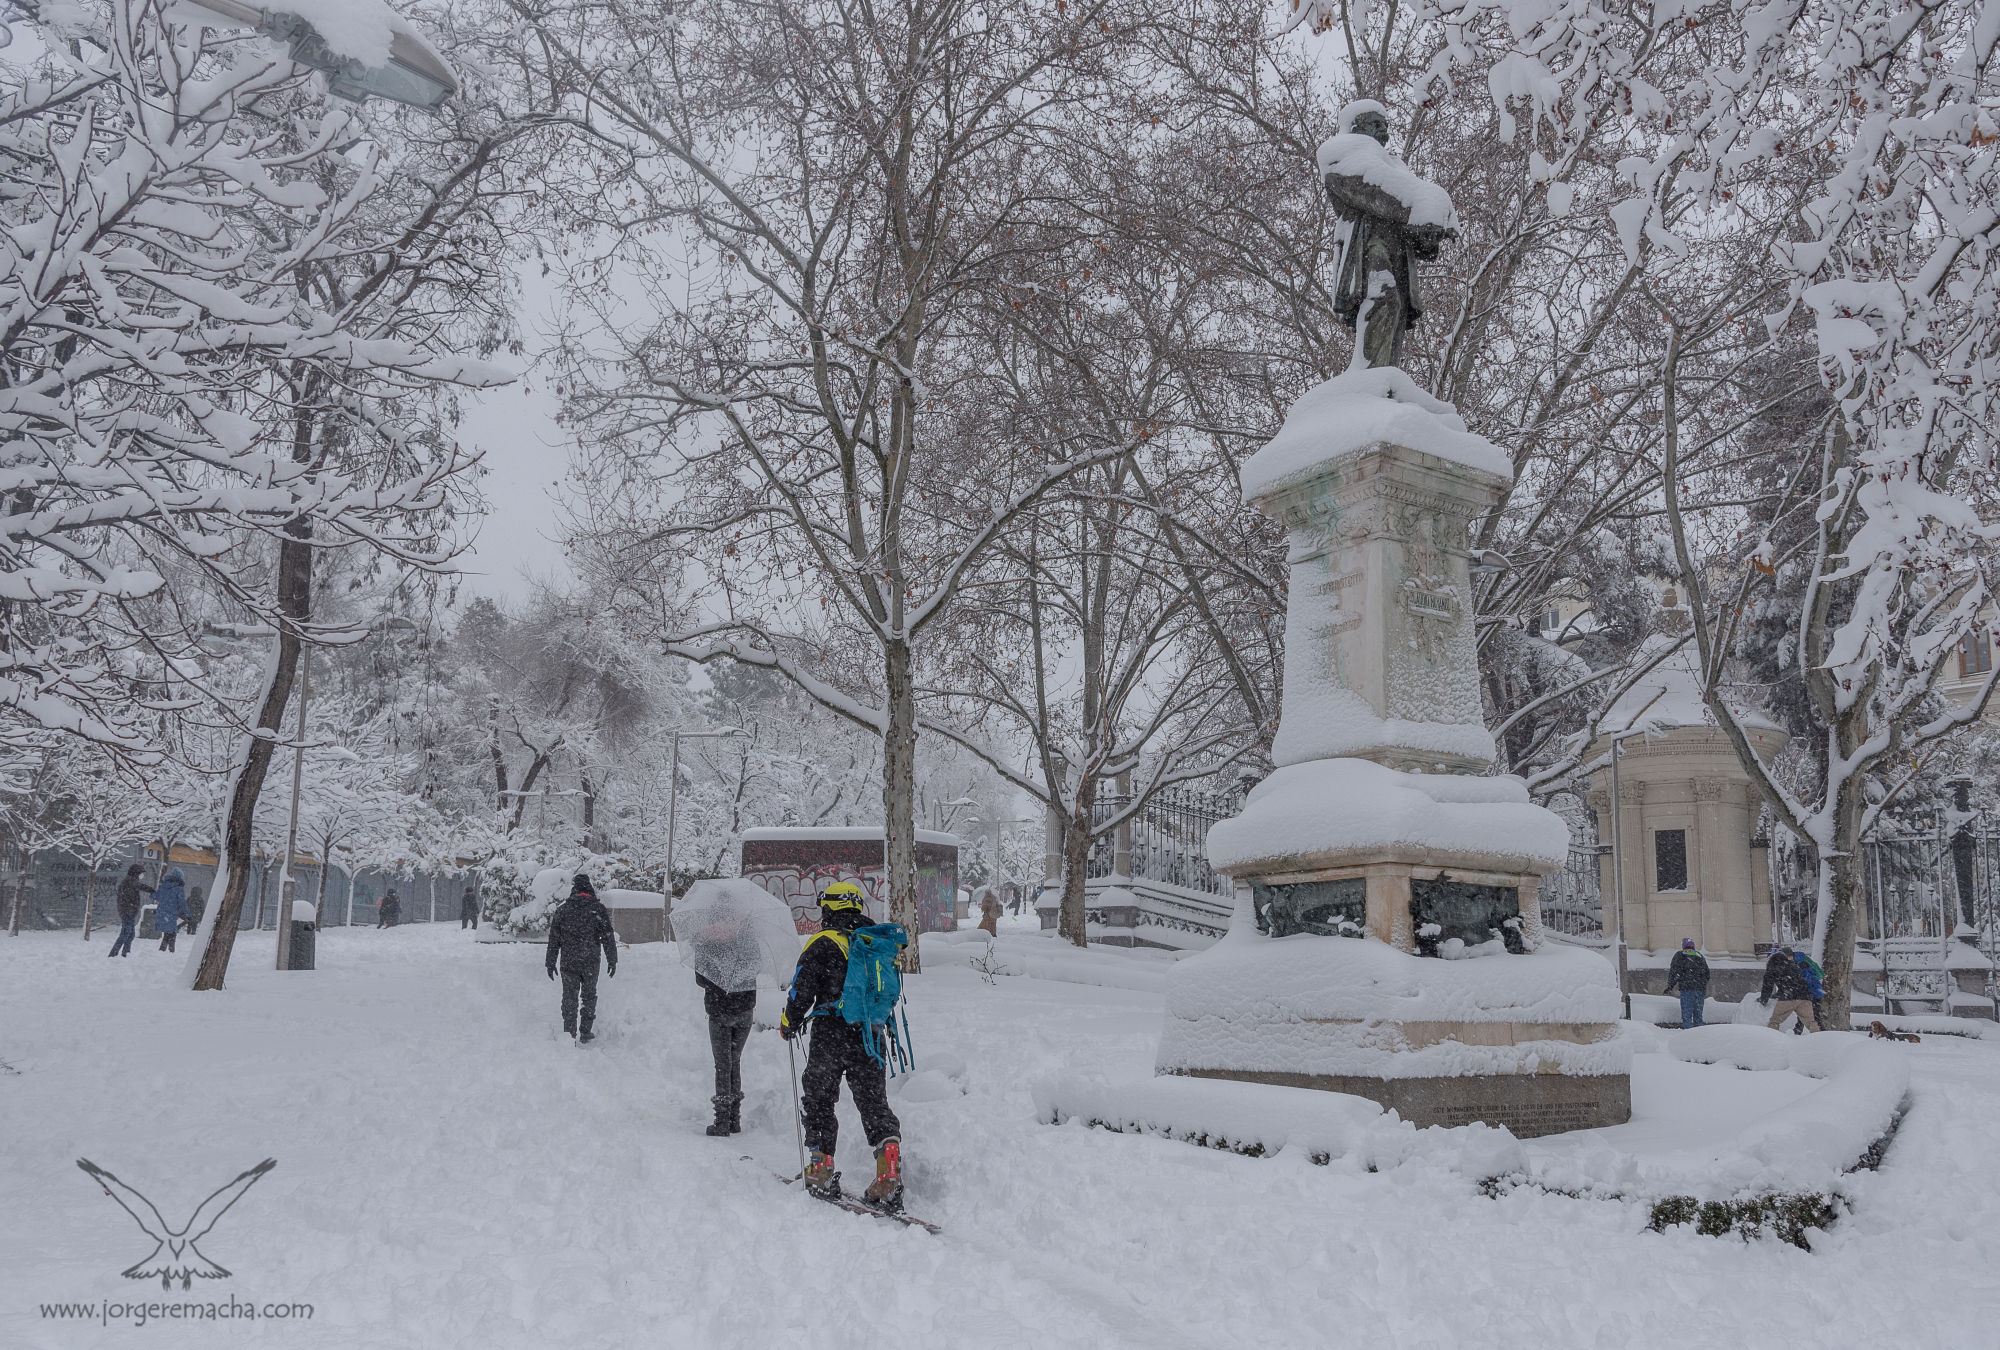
(1366,117)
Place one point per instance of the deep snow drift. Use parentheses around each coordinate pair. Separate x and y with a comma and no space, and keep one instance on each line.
(450,1172)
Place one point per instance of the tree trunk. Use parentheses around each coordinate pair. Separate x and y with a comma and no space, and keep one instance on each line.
(1074,917)
(899,775)
(294,602)
(89,900)
(1847,892)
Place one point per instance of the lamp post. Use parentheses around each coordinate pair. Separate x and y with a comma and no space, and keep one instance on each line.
(287,883)
(1618,865)
(411,73)
(673,801)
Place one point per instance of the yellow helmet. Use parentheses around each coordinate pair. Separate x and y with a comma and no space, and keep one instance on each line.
(842,895)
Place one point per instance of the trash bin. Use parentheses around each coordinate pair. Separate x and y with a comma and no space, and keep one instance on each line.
(303,935)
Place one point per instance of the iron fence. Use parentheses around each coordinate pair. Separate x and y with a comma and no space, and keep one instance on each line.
(1169,839)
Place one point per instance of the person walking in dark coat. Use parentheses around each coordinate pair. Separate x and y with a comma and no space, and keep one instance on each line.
(170,908)
(468,910)
(839,1051)
(1786,982)
(729,1019)
(580,929)
(129,903)
(1688,972)
(388,911)
(197,906)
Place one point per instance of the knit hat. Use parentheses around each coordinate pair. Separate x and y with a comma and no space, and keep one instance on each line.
(581,885)
(1687,944)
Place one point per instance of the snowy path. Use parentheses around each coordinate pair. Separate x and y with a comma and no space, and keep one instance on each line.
(452,1172)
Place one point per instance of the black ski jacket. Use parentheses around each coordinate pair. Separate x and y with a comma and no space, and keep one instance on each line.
(822,969)
(581,927)
(1783,979)
(1689,971)
(719,1002)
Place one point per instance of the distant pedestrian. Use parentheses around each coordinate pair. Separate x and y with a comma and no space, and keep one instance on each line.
(1785,981)
(1815,985)
(170,908)
(1688,972)
(129,892)
(1014,901)
(197,906)
(388,911)
(989,913)
(468,910)
(581,927)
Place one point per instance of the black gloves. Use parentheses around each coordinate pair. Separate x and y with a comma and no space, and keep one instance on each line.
(552,972)
(610,971)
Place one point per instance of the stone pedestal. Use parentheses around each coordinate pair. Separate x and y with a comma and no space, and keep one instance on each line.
(1375,854)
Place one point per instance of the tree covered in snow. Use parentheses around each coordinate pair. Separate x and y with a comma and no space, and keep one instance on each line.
(781,221)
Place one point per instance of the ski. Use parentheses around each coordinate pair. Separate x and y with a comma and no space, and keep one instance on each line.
(857,1206)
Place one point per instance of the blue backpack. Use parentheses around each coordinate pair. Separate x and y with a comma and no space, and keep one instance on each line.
(874,988)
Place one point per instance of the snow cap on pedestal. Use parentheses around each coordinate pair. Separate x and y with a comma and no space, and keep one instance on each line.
(1382,812)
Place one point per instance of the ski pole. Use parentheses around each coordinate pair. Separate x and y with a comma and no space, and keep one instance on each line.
(798,1116)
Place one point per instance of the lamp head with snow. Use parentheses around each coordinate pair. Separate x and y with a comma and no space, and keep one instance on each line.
(365,49)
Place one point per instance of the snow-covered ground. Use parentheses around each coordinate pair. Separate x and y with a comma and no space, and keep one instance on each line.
(452,1172)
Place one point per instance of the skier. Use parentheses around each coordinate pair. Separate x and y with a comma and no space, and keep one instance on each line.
(839,1050)
(1784,978)
(468,910)
(388,911)
(1689,971)
(129,891)
(170,908)
(582,925)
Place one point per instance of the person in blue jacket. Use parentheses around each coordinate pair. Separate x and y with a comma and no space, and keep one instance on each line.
(1688,972)
(170,908)
(1815,982)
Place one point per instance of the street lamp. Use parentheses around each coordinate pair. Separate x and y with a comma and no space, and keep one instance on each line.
(1618,861)
(673,801)
(412,73)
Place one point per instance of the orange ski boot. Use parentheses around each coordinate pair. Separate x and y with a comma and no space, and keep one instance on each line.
(886,1191)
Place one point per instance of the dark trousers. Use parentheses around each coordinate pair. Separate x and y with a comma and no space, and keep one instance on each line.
(726,1036)
(1692,1001)
(127,930)
(167,942)
(466,921)
(577,982)
(838,1052)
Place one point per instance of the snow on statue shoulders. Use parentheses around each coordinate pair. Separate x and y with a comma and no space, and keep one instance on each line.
(1378,180)
(1360,409)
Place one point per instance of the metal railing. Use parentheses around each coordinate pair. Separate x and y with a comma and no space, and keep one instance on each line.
(1169,839)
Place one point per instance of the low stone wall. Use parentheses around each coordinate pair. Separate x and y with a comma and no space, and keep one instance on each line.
(1527,1104)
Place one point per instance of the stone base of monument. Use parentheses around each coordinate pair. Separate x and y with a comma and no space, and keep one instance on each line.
(1388,944)
(1528,1105)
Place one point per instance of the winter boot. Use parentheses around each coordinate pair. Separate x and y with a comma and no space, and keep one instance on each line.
(736,1115)
(886,1191)
(723,1125)
(586,1036)
(821,1179)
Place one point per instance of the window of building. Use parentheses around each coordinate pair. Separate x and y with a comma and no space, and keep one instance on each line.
(1552,619)
(1975,654)
(1670,860)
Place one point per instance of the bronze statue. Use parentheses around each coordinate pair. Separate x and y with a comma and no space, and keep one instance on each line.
(1390,220)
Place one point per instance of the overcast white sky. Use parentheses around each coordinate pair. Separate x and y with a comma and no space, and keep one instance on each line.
(526,457)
